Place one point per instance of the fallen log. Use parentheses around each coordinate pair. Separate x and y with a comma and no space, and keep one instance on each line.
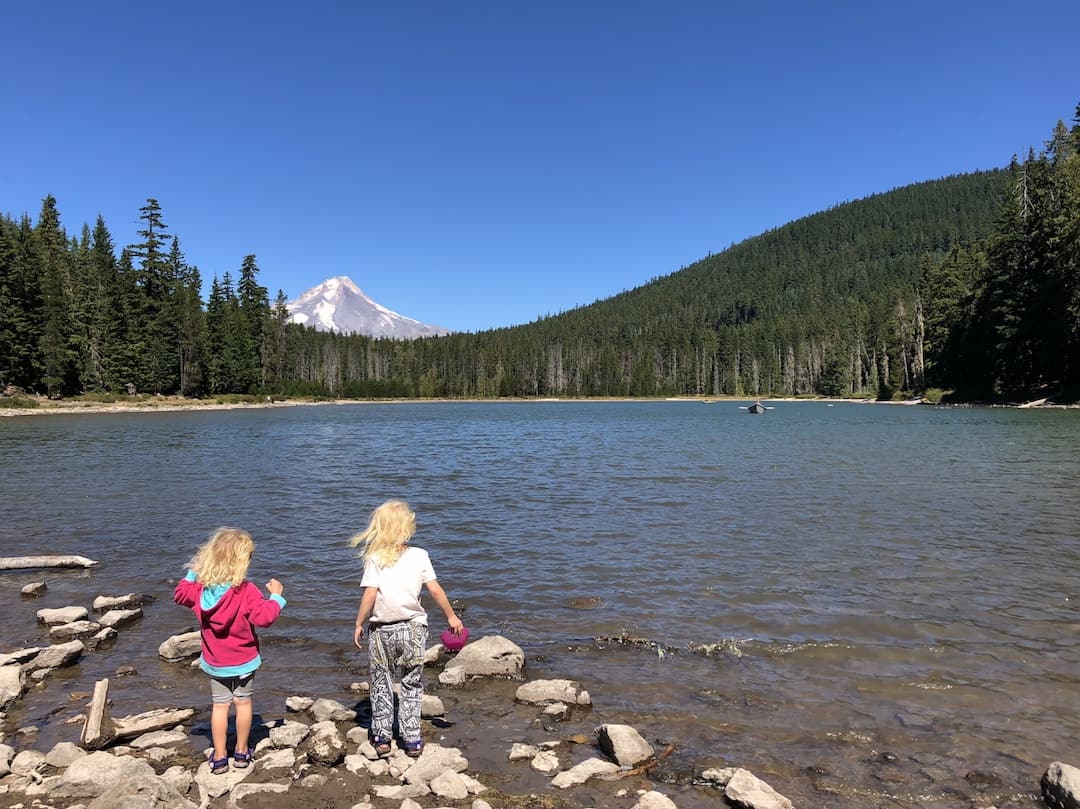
(98,728)
(23,562)
(128,727)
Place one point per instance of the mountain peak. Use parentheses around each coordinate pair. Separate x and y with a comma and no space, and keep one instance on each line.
(338,304)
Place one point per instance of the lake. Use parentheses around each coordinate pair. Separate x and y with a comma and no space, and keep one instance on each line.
(863,604)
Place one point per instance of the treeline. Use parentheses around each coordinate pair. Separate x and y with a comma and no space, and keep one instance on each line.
(967,283)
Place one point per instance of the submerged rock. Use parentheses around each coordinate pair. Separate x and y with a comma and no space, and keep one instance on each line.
(1061,786)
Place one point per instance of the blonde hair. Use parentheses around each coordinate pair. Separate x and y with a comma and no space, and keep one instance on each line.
(224,558)
(392,525)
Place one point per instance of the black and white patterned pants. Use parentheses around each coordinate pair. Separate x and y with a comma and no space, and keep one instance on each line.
(397,650)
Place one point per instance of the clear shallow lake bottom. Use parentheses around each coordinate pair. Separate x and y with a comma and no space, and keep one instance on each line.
(889,594)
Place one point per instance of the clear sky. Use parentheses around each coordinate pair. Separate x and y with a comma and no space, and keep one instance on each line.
(481,164)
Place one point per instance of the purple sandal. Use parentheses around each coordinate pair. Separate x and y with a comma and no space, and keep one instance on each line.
(381,745)
(414,749)
(241,760)
(218,766)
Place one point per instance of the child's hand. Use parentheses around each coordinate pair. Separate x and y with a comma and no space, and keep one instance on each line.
(455,625)
(275,587)
(358,635)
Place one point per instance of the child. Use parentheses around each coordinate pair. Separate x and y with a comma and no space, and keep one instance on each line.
(393,577)
(228,609)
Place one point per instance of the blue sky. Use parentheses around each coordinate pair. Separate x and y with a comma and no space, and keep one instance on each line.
(481,164)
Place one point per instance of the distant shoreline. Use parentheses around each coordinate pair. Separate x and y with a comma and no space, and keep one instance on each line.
(175,404)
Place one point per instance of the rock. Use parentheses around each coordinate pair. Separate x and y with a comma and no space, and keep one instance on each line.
(557,711)
(491,656)
(57,656)
(356,735)
(580,773)
(519,751)
(717,777)
(329,710)
(431,706)
(474,786)
(432,762)
(361,762)
(541,692)
(453,676)
(76,629)
(63,615)
(159,738)
(107,633)
(130,601)
(178,778)
(654,800)
(278,759)
(96,773)
(214,786)
(449,784)
(181,647)
(314,781)
(546,762)
(7,753)
(289,734)
(118,618)
(142,792)
(324,744)
(125,671)
(63,755)
(360,688)
(20,655)
(1060,786)
(246,790)
(27,761)
(34,589)
(434,655)
(12,684)
(397,793)
(623,744)
(479,804)
(298,704)
(744,789)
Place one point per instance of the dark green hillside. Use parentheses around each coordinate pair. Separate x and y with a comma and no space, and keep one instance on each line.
(824,304)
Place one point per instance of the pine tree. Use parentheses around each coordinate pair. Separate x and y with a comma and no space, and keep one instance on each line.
(59,340)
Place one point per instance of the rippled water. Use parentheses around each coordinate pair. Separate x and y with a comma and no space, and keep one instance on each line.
(901,582)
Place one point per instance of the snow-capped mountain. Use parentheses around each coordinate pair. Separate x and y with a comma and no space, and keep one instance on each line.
(338,304)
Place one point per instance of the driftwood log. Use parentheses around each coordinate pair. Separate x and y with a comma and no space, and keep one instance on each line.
(22,562)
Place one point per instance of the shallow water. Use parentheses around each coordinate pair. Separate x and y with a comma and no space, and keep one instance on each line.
(894,589)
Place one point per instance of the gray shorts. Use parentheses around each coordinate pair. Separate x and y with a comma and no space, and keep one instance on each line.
(226,689)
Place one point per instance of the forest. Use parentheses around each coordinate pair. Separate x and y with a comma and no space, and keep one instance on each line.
(966,287)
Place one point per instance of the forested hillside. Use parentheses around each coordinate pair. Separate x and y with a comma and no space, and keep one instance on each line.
(971,282)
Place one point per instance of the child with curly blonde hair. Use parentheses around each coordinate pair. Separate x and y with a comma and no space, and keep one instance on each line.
(394,574)
(228,608)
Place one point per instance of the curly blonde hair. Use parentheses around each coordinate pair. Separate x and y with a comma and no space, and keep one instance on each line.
(391,526)
(224,558)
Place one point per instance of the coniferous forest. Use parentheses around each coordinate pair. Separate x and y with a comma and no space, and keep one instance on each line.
(968,284)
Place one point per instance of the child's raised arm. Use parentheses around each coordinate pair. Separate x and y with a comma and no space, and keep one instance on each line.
(187,590)
(266,610)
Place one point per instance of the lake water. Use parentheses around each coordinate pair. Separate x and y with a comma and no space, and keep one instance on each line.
(894,589)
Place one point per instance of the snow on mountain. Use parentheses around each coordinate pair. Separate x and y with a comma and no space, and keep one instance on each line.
(338,304)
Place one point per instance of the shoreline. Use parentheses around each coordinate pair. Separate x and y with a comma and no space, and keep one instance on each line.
(174,404)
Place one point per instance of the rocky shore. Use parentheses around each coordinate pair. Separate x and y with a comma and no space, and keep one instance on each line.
(314,751)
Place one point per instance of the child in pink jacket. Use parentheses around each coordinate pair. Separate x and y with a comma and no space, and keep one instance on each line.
(228,608)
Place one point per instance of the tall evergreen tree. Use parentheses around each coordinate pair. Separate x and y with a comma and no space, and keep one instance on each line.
(59,341)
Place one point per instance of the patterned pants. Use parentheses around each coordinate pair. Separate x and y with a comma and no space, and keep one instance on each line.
(397,650)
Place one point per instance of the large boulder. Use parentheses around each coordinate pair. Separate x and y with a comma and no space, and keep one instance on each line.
(542,692)
(12,684)
(56,656)
(181,647)
(75,629)
(433,762)
(1061,786)
(119,617)
(130,601)
(745,789)
(580,773)
(330,710)
(324,744)
(97,773)
(63,615)
(624,744)
(7,753)
(491,656)
(142,792)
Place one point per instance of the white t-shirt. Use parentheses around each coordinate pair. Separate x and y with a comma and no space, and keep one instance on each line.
(399,586)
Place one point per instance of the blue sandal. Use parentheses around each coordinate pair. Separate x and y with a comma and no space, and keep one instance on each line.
(241,760)
(218,766)
(414,749)
(381,745)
